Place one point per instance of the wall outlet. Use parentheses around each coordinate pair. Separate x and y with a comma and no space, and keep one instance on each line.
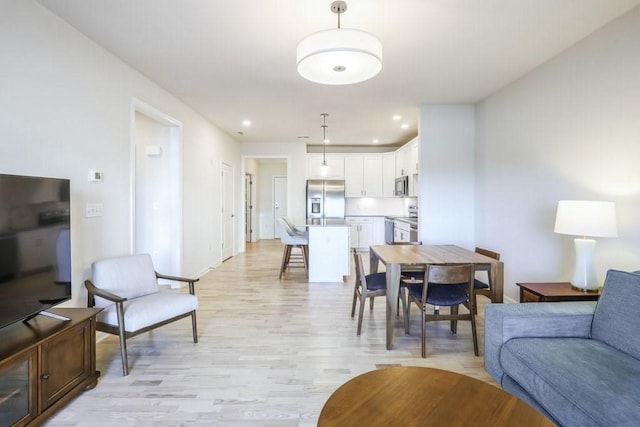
(93,210)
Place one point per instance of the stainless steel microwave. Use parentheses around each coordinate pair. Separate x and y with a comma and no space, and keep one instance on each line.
(402,186)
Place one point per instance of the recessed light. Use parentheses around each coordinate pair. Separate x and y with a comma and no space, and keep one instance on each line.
(327,141)
(396,117)
(246,123)
(375,141)
(404,126)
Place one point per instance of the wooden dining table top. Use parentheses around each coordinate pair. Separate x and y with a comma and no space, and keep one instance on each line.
(429,254)
(420,396)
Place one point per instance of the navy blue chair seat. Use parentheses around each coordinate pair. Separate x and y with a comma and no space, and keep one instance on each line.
(376,281)
(441,295)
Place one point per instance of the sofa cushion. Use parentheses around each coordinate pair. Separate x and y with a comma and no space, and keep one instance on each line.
(513,388)
(616,320)
(579,381)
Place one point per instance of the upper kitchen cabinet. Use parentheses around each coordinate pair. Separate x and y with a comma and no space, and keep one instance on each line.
(414,156)
(363,175)
(388,174)
(407,158)
(334,162)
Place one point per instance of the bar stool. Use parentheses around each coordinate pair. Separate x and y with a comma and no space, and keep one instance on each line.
(292,240)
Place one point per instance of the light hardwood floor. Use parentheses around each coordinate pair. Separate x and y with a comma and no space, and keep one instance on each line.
(271,353)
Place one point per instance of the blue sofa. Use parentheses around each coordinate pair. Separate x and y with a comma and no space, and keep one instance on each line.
(576,362)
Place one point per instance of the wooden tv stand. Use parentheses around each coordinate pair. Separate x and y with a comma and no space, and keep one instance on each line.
(45,363)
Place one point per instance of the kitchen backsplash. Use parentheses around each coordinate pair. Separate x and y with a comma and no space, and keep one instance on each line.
(379,206)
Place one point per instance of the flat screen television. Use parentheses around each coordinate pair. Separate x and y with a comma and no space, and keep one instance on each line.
(35,249)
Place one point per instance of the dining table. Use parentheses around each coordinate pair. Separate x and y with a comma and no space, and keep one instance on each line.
(398,257)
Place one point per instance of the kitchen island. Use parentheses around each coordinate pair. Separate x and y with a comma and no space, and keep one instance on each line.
(328,250)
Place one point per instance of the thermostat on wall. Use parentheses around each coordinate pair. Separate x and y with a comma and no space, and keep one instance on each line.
(95,176)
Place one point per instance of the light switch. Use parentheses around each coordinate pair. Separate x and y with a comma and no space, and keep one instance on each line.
(93,210)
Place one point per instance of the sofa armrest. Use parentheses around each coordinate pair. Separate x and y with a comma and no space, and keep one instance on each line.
(503,322)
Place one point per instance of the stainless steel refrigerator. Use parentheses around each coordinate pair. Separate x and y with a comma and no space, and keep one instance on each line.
(325,200)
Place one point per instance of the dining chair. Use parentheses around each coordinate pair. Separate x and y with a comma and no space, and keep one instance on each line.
(408,274)
(480,287)
(292,241)
(366,286)
(444,285)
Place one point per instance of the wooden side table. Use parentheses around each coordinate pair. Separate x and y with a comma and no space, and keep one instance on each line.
(554,291)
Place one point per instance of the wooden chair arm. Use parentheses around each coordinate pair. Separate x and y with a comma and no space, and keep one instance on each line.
(93,290)
(177,279)
(188,280)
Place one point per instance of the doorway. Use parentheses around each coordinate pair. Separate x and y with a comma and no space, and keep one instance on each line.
(262,170)
(156,188)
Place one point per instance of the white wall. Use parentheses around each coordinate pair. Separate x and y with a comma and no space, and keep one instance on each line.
(67,106)
(568,130)
(446,200)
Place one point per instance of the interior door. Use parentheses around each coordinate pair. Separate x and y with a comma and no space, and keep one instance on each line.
(279,202)
(228,214)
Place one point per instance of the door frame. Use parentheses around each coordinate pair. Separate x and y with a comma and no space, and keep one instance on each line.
(175,130)
(249,207)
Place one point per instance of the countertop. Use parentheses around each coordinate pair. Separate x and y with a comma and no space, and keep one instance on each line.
(327,222)
(408,219)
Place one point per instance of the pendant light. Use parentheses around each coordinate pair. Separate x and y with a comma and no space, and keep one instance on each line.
(339,56)
(324,167)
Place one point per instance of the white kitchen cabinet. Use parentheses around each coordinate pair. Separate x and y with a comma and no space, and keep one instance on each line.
(407,158)
(401,231)
(388,174)
(378,230)
(414,156)
(334,162)
(361,231)
(402,155)
(363,175)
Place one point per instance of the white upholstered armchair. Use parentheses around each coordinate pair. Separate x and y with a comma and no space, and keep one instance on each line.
(127,289)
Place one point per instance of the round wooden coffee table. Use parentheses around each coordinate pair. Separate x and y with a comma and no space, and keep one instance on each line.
(410,396)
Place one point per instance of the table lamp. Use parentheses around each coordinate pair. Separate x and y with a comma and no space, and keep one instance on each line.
(586,219)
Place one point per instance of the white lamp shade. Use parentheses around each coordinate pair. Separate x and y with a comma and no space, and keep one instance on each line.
(339,56)
(586,218)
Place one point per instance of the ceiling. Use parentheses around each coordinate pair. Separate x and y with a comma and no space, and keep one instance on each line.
(235,60)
